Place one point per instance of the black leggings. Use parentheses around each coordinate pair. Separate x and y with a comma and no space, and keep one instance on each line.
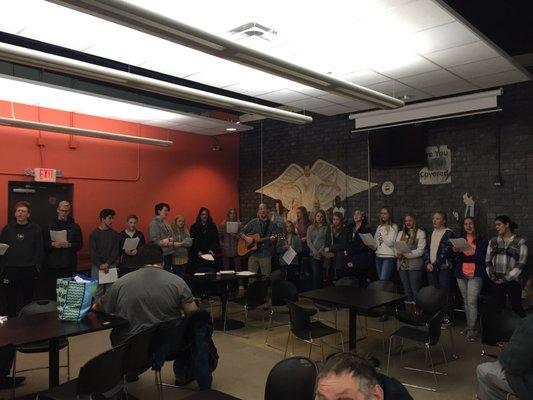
(512,289)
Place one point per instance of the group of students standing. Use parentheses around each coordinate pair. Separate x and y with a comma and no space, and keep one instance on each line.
(501,260)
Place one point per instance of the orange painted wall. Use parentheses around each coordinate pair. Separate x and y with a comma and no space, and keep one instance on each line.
(127,177)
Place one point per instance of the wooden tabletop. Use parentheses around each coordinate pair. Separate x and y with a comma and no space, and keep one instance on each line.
(27,329)
(349,296)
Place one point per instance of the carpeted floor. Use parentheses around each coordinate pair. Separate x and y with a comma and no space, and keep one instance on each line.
(245,362)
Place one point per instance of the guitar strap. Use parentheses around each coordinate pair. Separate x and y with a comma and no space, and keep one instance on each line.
(265,229)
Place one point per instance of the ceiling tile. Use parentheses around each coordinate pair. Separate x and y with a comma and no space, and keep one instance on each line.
(390,87)
(332,110)
(460,86)
(283,96)
(310,103)
(334,98)
(365,77)
(413,66)
(429,79)
(462,54)
(484,67)
(421,14)
(443,37)
(501,78)
(359,105)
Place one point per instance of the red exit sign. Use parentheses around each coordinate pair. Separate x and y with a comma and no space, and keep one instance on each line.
(45,175)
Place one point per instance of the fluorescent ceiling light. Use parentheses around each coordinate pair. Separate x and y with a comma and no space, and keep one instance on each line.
(145,20)
(19,123)
(32,93)
(452,107)
(66,65)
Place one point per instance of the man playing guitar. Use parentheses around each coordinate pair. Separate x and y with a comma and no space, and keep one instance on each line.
(261,258)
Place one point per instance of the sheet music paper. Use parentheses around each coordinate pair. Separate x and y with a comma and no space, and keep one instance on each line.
(289,255)
(245,273)
(402,247)
(232,227)
(58,236)
(208,257)
(461,244)
(3,248)
(368,240)
(110,277)
(131,243)
(187,242)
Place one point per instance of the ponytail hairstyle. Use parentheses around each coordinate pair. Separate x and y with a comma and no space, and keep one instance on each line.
(504,219)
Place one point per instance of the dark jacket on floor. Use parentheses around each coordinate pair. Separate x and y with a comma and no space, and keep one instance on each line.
(517,360)
(65,257)
(25,246)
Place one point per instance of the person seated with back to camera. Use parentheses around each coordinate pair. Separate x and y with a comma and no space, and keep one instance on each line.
(347,376)
(147,297)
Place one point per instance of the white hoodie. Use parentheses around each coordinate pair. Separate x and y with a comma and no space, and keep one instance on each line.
(385,237)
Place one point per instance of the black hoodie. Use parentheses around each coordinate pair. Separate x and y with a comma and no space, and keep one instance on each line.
(25,246)
(64,257)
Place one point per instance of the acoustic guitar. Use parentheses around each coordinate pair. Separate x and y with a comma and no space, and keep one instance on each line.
(243,248)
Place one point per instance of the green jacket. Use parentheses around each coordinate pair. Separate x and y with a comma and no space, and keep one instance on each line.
(517,360)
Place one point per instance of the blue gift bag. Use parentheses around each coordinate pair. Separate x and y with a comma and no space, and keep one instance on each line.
(74,299)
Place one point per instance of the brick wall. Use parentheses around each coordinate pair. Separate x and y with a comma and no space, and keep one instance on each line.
(473,144)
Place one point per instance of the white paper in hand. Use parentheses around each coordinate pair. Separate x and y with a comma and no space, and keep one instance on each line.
(131,244)
(58,236)
(461,244)
(110,277)
(289,255)
(3,248)
(402,247)
(232,227)
(368,240)
(208,257)
(187,242)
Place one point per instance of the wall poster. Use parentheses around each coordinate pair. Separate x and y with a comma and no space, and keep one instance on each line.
(439,166)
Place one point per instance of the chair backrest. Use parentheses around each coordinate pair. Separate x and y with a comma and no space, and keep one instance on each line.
(103,373)
(435,327)
(140,350)
(39,307)
(498,326)
(384,286)
(348,281)
(292,379)
(257,291)
(300,320)
(278,275)
(283,291)
(431,299)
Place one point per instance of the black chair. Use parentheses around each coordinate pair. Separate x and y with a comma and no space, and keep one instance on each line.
(39,307)
(278,275)
(307,331)
(281,292)
(292,379)
(497,326)
(104,374)
(379,312)
(255,297)
(432,301)
(428,298)
(139,358)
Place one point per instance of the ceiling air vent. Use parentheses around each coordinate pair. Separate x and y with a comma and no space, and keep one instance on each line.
(254,29)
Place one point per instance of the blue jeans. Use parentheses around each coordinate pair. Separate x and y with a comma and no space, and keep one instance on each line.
(411,281)
(316,272)
(470,289)
(385,267)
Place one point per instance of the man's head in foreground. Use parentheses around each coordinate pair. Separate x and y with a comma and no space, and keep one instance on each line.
(346,376)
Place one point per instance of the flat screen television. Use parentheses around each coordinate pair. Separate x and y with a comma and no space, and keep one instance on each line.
(398,147)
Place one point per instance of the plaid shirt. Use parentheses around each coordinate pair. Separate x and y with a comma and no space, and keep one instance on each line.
(501,260)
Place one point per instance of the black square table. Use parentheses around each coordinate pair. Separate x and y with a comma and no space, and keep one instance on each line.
(219,285)
(355,299)
(27,329)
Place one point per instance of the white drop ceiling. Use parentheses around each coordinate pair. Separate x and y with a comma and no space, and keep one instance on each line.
(24,92)
(412,48)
